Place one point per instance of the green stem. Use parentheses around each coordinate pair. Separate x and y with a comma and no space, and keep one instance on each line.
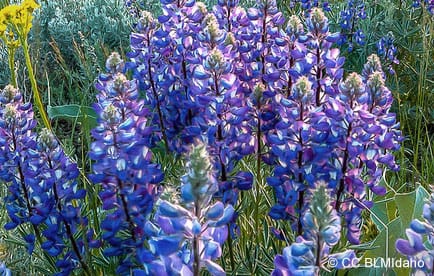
(11,58)
(36,95)
(231,249)
(258,177)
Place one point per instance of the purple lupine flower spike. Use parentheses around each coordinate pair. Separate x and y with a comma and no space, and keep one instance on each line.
(123,168)
(192,233)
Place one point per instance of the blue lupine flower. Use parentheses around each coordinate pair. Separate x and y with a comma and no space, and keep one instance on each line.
(4,271)
(349,23)
(123,167)
(42,186)
(191,234)
(309,254)
(58,177)
(17,143)
(429,5)
(414,246)
(387,51)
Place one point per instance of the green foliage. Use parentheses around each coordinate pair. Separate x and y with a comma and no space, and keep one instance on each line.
(66,22)
(74,112)
(391,217)
(73,39)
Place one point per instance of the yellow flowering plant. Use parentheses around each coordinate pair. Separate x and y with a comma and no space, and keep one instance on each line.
(15,25)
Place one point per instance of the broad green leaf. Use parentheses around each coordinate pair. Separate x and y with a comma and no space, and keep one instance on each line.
(384,247)
(379,213)
(83,114)
(410,205)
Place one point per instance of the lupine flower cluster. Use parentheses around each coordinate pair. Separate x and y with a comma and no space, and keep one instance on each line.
(307,5)
(387,51)
(226,84)
(310,252)
(428,4)
(331,129)
(238,78)
(349,17)
(123,166)
(191,234)
(42,186)
(419,245)
(189,81)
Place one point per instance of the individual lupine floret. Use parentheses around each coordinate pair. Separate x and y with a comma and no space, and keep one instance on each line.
(123,168)
(4,271)
(311,252)
(58,193)
(191,234)
(419,245)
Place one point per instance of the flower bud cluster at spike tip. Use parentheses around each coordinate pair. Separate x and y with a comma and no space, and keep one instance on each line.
(414,246)
(322,227)
(129,180)
(191,235)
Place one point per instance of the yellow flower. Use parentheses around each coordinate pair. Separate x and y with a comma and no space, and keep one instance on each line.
(10,12)
(30,5)
(2,29)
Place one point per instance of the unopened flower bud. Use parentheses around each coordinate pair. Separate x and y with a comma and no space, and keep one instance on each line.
(10,113)
(110,114)
(47,140)
(230,39)
(373,64)
(317,20)
(114,63)
(353,85)
(376,79)
(212,27)
(302,89)
(258,90)
(120,81)
(294,25)
(8,94)
(215,60)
